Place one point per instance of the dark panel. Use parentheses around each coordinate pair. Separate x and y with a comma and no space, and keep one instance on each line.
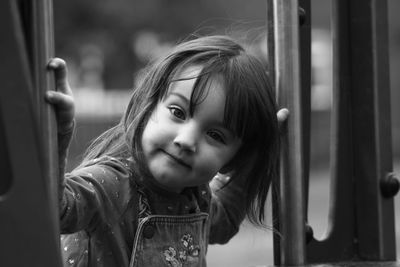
(29,222)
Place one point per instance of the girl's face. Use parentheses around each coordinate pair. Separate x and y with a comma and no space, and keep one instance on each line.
(183,150)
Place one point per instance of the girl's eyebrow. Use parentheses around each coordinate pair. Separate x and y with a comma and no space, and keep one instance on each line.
(184,98)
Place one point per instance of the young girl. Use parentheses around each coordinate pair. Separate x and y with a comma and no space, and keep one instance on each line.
(193,154)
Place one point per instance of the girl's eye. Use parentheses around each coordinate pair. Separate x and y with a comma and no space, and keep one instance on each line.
(177,112)
(219,137)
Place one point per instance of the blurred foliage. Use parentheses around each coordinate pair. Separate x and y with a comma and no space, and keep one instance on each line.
(109,31)
(112,27)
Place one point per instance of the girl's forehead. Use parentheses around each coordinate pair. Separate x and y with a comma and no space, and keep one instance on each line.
(195,87)
(184,78)
(187,72)
(192,82)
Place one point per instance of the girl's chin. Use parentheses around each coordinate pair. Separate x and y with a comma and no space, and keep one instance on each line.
(167,184)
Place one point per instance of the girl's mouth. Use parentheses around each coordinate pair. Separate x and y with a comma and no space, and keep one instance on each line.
(178,160)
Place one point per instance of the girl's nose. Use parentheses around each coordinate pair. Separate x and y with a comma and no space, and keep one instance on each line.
(187,137)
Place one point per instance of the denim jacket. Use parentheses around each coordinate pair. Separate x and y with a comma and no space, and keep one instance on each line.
(111,218)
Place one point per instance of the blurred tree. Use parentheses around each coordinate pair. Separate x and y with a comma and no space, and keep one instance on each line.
(113,27)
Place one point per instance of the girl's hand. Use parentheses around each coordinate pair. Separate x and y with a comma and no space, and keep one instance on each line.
(61,98)
(282,116)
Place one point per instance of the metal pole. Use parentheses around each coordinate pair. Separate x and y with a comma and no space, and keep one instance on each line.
(372,130)
(362,221)
(41,50)
(288,84)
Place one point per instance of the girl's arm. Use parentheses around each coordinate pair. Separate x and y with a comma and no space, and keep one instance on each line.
(95,195)
(227,209)
(92,194)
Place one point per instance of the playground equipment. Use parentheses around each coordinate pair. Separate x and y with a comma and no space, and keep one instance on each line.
(361,227)
(28,156)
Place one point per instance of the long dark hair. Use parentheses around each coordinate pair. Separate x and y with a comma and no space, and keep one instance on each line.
(250,112)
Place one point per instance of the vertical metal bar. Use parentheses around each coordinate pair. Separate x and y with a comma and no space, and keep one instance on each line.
(41,45)
(338,244)
(342,222)
(37,19)
(305,81)
(38,22)
(287,82)
(372,132)
(275,187)
(362,220)
(270,17)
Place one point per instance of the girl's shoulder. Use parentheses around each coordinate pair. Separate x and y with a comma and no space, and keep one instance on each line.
(119,164)
(104,169)
(106,178)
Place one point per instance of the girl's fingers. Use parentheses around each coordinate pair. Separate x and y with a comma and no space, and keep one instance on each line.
(59,99)
(282,115)
(62,98)
(59,67)
(65,110)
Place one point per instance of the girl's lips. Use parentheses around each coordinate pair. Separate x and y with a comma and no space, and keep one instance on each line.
(178,160)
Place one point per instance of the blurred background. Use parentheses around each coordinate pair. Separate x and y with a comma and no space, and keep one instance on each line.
(106,43)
